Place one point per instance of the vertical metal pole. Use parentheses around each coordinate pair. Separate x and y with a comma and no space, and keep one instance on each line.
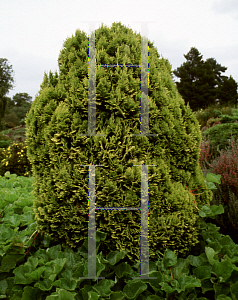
(144,172)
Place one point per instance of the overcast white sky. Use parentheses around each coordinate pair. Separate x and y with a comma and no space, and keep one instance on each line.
(32,32)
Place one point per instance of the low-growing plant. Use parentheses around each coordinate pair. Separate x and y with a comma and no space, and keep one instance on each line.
(4,145)
(227,110)
(235,112)
(6,131)
(213,121)
(5,141)
(204,115)
(207,153)
(225,164)
(220,135)
(10,125)
(232,216)
(4,137)
(212,112)
(32,267)
(18,131)
(14,159)
(3,125)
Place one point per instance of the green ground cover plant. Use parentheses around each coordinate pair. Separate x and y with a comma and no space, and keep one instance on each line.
(226,164)
(32,267)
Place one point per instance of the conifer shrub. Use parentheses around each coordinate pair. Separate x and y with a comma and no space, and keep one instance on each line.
(60,152)
(213,121)
(227,111)
(10,125)
(204,115)
(228,119)
(212,112)
(220,135)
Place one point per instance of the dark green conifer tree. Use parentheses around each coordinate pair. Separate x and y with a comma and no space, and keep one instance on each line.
(201,83)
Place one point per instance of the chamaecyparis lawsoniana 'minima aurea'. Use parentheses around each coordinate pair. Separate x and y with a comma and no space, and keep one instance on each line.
(59,145)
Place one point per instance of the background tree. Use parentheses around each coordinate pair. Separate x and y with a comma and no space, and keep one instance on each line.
(189,73)
(17,107)
(11,117)
(6,83)
(207,83)
(21,99)
(227,91)
(201,82)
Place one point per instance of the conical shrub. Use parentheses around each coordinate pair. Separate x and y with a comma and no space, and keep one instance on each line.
(60,151)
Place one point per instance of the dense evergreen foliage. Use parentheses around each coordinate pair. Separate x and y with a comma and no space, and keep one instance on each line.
(60,149)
